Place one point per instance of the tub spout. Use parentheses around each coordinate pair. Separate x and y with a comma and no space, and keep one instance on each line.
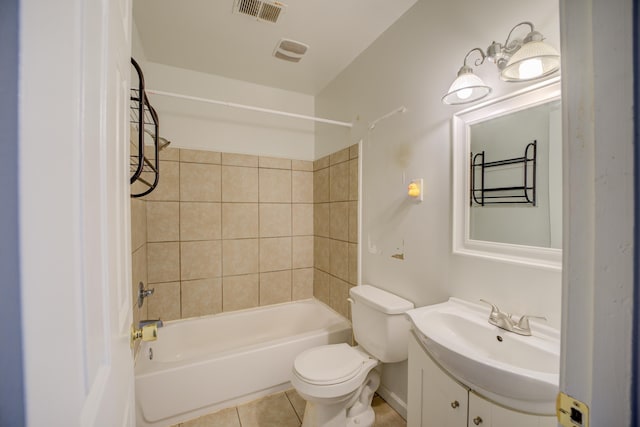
(157,322)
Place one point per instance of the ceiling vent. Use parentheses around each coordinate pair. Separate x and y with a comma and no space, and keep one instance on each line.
(268,11)
(290,50)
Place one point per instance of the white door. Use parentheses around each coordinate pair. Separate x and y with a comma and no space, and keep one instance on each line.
(74,212)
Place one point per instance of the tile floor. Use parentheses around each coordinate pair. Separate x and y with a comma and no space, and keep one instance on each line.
(282,410)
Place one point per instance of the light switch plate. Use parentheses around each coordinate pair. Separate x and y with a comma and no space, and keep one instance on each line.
(571,412)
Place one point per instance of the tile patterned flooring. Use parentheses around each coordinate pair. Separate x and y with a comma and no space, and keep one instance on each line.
(283,409)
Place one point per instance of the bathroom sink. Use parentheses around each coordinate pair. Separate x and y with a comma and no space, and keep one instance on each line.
(519,372)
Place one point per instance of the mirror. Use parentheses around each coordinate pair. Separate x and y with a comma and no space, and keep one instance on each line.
(526,144)
(507,183)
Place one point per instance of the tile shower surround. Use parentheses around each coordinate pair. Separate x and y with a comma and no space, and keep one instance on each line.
(335,225)
(224,232)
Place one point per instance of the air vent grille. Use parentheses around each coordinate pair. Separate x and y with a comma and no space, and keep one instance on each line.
(290,50)
(268,11)
(249,7)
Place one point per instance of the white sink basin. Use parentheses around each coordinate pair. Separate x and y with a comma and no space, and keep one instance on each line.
(516,371)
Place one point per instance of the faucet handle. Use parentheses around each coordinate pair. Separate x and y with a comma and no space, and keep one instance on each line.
(523,323)
(143,293)
(494,308)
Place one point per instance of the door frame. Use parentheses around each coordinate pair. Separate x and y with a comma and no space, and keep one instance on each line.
(635,384)
(598,167)
(11,369)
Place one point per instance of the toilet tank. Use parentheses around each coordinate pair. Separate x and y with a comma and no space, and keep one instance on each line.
(379,323)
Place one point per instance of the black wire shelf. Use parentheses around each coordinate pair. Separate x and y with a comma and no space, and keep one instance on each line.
(481,195)
(144,161)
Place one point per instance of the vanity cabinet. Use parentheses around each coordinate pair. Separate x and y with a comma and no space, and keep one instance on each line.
(484,413)
(437,400)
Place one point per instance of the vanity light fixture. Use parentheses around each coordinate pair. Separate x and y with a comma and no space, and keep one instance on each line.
(518,61)
(467,87)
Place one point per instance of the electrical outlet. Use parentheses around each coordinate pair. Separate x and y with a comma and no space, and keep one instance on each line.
(571,412)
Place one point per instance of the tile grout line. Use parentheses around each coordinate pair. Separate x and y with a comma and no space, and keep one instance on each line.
(293,407)
(179,234)
(291,233)
(221,243)
(238,416)
(259,238)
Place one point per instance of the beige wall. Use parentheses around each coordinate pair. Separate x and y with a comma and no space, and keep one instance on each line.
(192,125)
(335,189)
(226,232)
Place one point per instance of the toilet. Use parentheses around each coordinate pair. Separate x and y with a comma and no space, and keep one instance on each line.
(338,381)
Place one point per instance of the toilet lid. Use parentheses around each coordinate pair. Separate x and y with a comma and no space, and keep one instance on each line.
(329,364)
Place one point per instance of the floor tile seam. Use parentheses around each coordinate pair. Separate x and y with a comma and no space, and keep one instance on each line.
(292,406)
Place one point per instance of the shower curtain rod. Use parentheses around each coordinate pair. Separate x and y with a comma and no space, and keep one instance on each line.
(249,107)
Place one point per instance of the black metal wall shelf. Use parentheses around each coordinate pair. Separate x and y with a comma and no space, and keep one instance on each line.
(144,168)
(525,193)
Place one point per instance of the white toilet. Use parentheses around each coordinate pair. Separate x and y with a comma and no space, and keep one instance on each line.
(338,381)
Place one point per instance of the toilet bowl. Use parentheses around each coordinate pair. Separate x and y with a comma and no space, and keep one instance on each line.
(332,379)
(338,381)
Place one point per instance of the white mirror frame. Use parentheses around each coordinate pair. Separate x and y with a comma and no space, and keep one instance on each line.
(548,258)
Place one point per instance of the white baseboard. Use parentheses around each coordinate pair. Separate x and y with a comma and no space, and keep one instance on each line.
(393,400)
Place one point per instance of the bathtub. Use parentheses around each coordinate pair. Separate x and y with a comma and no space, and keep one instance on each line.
(201,365)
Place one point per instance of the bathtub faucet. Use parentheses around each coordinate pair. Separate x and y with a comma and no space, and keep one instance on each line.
(147,331)
(144,323)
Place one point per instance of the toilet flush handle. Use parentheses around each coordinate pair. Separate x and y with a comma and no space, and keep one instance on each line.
(351,301)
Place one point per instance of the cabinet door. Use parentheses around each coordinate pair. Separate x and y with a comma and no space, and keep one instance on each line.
(483,413)
(435,399)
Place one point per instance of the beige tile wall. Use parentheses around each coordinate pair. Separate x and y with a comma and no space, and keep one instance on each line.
(139,254)
(227,232)
(335,190)
(224,232)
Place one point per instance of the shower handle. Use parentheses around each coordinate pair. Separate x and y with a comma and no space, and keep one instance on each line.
(143,293)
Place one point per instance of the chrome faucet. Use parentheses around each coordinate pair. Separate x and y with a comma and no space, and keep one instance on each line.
(499,318)
(146,322)
(143,293)
(523,327)
(505,320)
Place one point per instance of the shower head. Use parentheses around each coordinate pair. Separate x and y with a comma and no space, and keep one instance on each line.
(162,142)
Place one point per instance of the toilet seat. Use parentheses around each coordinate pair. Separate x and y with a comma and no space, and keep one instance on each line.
(331,371)
(329,364)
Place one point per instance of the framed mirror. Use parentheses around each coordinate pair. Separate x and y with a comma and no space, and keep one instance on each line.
(507,178)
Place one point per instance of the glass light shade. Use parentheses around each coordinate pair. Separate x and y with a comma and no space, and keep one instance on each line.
(533,60)
(467,87)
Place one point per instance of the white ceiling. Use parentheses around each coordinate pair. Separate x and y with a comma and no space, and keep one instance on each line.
(206,36)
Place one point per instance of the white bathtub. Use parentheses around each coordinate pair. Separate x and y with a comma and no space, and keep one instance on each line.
(205,364)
